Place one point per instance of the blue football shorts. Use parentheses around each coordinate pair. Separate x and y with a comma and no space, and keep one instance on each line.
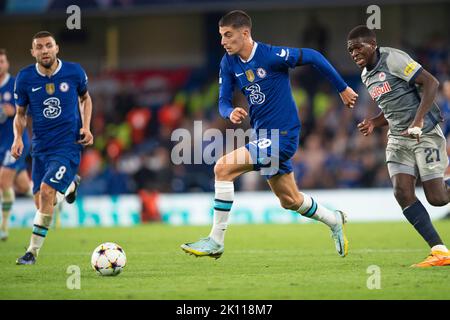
(272,155)
(58,170)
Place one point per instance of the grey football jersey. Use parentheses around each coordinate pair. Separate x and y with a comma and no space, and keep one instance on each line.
(391,85)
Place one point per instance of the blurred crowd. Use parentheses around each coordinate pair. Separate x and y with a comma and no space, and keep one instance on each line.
(133,124)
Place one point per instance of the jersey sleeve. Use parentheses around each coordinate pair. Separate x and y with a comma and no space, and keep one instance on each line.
(403,66)
(20,91)
(284,57)
(226,87)
(82,81)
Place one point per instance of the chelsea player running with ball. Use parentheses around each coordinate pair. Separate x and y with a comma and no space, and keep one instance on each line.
(52,92)
(261,71)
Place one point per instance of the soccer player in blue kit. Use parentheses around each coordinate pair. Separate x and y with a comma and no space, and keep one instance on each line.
(13,173)
(261,72)
(54,93)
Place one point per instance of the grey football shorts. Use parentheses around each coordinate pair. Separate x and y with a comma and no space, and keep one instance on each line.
(427,158)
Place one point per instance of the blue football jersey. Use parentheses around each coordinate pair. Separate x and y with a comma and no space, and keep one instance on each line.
(264,80)
(53,105)
(6,123)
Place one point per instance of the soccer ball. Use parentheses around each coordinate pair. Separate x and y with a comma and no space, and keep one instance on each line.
(108,259)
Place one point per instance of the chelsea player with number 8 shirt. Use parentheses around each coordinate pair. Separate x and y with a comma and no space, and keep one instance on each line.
(54,93)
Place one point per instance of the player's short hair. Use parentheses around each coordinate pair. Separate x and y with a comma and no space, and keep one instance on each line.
(236,19)
(43,34)
(2,52)
(361,31)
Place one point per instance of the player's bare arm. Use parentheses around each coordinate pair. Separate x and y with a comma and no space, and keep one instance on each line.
(20,122)
(367,126)
(430,87)
(87,138)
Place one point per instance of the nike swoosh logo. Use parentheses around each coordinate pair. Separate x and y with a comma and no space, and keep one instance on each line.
(35,89)
(53,180)
(238,74)
(282,53)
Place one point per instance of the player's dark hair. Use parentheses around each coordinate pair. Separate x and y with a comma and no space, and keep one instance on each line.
(361,32)
(43,34)
(236,19)
(2,52)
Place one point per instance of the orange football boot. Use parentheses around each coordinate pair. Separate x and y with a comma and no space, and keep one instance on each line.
(435,259)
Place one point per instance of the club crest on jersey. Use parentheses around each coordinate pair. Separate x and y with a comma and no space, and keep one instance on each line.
(50,88)
(261,73)
(64,87)
(382,76)
(250,75)
(380,90)
(52,108)
(7,96)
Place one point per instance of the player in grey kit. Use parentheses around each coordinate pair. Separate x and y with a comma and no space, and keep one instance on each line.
(405,93)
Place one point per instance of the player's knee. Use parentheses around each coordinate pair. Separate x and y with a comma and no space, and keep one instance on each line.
(404,197)
(221,172)
(3,184)
(437,199)
(20,188)
(47,194)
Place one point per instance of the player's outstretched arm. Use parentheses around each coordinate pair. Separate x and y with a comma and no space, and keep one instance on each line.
(430,87)
(315,58)
(20,122)
(86,114)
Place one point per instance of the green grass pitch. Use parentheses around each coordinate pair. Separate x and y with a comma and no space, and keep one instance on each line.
(275,262)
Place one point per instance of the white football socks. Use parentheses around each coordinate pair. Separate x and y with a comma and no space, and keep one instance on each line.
(8,197)
(224,196)
(311,209)
(41,224)
(29,193)
(439,247)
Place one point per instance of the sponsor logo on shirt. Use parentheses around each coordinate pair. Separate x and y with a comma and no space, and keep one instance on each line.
(410,68)
(282,53)
(380,90)
(52,108)
(382,76)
